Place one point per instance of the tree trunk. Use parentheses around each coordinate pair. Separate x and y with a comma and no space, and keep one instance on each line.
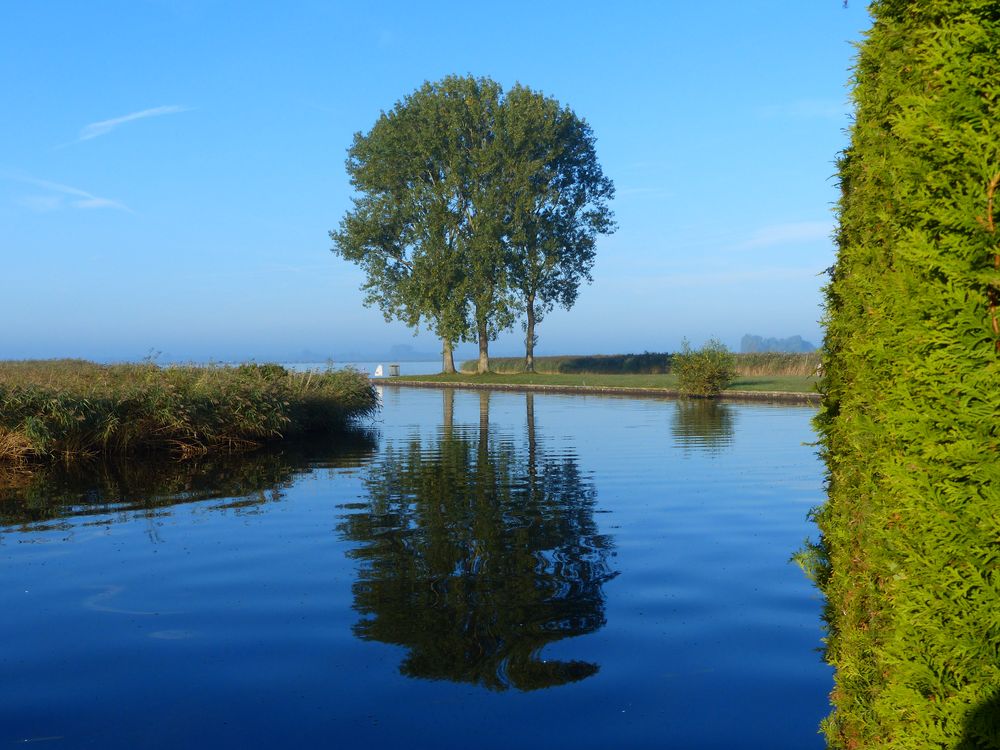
(484,418)
(529,405)
(448,419)
(447,357)
(529,337)
(484,348)
(535,491)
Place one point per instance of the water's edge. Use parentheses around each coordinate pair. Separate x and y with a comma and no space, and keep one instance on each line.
(785,397)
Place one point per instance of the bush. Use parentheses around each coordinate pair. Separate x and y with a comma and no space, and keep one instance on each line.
(705,371)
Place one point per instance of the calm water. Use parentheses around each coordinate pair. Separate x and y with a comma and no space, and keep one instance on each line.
(477,570)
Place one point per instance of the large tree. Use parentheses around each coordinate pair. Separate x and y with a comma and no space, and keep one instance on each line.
(428,215)
(557,204)
(473,206)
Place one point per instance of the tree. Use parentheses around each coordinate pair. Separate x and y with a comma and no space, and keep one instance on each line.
(473,206)
(426,223)
(558,204)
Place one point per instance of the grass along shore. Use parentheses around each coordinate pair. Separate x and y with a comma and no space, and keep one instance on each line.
(765,373)
(747,365)
(74,408)
(790,384)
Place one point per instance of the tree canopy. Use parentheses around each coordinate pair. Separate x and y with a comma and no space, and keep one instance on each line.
(472,207)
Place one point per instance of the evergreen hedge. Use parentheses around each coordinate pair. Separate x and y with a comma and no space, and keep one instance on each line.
(909,424)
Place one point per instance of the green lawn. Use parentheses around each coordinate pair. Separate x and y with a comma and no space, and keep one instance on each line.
(785,383)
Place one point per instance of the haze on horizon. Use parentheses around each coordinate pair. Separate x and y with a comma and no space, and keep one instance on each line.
(170,168)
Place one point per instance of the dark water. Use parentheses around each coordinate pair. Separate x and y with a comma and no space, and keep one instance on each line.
(479,570)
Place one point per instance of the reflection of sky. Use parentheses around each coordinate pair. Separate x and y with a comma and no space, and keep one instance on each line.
(205,183)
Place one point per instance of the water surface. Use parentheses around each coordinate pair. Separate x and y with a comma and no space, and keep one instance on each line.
(490,570)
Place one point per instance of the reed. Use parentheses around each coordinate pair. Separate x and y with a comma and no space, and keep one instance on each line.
(758,364)
(647,363)
(74,408)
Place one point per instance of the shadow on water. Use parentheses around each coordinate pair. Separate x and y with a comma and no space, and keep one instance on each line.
(703,424)
(36,499)
(475,552)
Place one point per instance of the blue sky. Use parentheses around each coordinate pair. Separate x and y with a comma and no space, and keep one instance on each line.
(169,169)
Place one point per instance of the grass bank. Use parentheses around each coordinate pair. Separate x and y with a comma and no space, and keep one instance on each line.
(794,384)
(73,408)
(755,365)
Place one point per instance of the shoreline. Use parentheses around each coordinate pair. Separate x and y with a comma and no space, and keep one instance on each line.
(786,397)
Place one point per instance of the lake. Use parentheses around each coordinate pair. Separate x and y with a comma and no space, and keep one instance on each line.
(474,569)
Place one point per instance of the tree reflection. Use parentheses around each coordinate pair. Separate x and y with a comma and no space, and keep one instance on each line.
(474,554)
(702,424)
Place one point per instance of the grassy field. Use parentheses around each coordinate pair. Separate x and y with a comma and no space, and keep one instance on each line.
(747,365)
(784,383)
(73,408)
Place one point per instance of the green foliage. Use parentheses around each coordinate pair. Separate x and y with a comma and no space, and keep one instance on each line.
(71,408)
(557,204)
(705,371)
(911,399)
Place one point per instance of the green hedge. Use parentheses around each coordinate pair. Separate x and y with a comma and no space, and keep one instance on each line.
(910,549)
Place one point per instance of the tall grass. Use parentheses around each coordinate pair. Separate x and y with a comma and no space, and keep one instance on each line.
(72,408)
(777,363)
(653,363)
(647,363)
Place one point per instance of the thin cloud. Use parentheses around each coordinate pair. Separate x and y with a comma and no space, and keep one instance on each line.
(783,234)
(95,129)
(61,195)
(40,203)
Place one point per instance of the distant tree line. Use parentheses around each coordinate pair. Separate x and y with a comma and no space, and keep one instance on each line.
(751,344)
(474,208)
